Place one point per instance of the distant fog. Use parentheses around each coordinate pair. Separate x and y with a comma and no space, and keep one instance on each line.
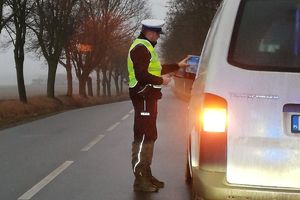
(32,68)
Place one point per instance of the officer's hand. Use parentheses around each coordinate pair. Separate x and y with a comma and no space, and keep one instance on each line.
(183,63)
(166,79)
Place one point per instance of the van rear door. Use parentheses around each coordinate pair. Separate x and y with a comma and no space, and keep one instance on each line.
(264,108)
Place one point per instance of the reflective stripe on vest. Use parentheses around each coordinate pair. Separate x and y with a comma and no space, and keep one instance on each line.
(154,67)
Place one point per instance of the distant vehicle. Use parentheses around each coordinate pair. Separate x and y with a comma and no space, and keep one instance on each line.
(244,112)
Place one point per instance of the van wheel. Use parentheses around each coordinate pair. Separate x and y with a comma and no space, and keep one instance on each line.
(188,176)
(195,196)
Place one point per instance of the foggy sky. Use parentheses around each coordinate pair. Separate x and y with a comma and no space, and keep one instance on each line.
(33,68)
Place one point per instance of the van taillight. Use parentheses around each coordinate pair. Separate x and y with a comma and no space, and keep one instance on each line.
(213,133)
(214,114)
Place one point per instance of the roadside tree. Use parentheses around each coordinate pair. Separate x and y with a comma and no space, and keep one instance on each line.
(51,23)
(76,20)
(104,28)
(16,28)
(188,22)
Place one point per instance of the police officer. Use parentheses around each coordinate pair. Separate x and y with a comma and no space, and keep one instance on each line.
(145,82)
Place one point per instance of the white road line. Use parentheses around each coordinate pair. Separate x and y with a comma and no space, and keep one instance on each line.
(113,126)
(35,189)
(131,111)
(126,116)
(92,143)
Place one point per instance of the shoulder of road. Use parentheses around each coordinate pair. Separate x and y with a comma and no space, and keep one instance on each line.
(14,112)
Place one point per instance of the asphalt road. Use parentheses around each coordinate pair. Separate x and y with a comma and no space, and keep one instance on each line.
(85,154)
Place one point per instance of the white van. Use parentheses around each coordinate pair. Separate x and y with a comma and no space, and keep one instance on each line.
(244,112)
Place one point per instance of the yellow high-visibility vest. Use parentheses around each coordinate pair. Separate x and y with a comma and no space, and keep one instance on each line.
(154,67)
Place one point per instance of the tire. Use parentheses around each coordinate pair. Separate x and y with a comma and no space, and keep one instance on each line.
(188,176)
(195,195)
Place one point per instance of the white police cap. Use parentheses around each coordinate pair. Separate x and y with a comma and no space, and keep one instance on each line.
(153,25)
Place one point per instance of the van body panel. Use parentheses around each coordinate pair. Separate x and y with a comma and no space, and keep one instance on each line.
(212,186)
(262,150)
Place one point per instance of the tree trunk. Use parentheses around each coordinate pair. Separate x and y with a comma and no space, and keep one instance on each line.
(69,74)
(108,89)
(104,82)
(109,83)
(116,80)
(20,78)
(1,16)
(82,87)
(121,84)
(52,67)
(98,82)
(19,61)
(83,82)
(90,86)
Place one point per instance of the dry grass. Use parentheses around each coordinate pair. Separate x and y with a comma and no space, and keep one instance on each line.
(13,112)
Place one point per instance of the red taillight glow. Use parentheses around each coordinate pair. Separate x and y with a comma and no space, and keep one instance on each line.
(214,120)
(214,114)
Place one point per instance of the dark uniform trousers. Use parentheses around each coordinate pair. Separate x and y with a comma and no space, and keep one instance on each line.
(145,135)
(145,119)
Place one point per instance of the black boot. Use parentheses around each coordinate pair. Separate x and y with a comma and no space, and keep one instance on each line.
(143,184)
(142,181)
(155,181)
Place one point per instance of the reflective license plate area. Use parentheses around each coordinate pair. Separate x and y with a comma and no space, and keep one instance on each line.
(295,124)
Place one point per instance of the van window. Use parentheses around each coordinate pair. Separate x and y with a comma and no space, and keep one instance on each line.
(266,36)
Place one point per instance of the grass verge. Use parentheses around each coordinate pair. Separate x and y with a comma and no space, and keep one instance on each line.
(14,112)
